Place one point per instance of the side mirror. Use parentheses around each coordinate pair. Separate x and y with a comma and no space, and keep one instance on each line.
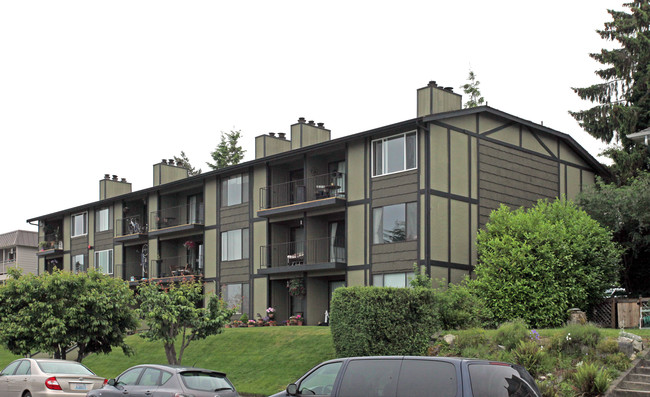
(292,389)
(112,382)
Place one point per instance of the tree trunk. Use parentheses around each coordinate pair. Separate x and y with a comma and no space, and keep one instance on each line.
(170,352)
(81,352)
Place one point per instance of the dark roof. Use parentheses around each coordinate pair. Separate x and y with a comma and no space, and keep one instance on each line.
(412,123)
(21,238)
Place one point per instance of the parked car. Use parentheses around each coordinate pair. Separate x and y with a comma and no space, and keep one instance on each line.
(414,376)
(153,380)
(28,377)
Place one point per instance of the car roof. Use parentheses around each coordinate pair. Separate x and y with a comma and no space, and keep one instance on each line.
(433,358)
(179,368)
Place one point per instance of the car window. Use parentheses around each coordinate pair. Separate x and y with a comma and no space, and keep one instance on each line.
(370,378)
(321,380)
(419,377)
(24,368)
(150,377)
(130,377)
(9,370)
(63,367)
(165,377)
(205,381)
(494,380)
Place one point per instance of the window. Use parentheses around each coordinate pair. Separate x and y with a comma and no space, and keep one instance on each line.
(205,381)
(501,381)
(25,368)
(9,370)
(150,377)
(79,224)
(234,190)
(78,263)
(130,377)
(394,154)
(370,378)
(236,296)
(103,220)
(321,380)
(419,377)
(394,223)
(104,261)
(234,245)
(398,280)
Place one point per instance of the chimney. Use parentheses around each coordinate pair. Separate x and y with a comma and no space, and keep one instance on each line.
(107,176)
(305,134)
(434,99)
(282,135)
(271,133)
(301,119)
(109,188)
(321,125)
(114,177)
(170,161)
(267,145)
(166,172)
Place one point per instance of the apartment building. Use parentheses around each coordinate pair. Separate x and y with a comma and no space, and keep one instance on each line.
(358,210)
(18,249)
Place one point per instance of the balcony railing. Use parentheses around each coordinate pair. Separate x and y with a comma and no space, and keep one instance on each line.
(135,271)
(130,225)
(176,216)
(6,265)
(178,266)
(322,250)
(50,242)
(303,190)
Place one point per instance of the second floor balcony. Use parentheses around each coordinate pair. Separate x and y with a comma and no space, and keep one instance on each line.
(179,266)
(181,218)
(326,253)
(51,244)
(131,228)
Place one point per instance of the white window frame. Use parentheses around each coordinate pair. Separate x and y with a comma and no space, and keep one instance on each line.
(109,269)
(243,296)
(243,186)
(244,238)
(408,276)
(73,261)
(98,216)
(383,154)
(73,231)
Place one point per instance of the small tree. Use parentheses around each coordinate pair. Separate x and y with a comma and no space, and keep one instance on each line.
(536,263)
(175,310)
(56,311)
(471,88)
(183,161)
(228,151)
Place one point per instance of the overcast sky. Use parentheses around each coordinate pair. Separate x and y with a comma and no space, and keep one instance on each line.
(89,88)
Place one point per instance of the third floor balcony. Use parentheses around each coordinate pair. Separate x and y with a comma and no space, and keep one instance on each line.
(316,192)
(181,218)
(131,228)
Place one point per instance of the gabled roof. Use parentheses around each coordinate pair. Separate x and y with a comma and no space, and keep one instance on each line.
(403,125)
(21,238)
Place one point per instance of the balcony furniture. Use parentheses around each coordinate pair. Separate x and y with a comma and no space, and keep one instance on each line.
(296,259)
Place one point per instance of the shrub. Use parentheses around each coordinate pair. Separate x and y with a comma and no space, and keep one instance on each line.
(587,335)
(530,355)
(509,334)
(591,380)
(459,308)
(608,346)
(536,263)
(244,318)
(368,321)
(471,338)
(618,361)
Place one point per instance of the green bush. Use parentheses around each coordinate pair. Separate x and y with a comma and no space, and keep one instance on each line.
(528,354)
(618,361)
(587,335)
(459,308)
(472,338)
(509,334)
(608,346)
(536,263)
(369,321)
(591,380)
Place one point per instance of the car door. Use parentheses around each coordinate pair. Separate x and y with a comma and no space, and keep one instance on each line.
(4,378)
(123,383)
(19,380)
(147,384)
(321,381)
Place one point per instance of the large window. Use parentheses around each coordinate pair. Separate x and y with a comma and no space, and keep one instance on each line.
(394,223)
(236,296)
(398,280)
(78,263)
(394,154)
(234,190)
(234,245)
(104,261)
(103,220)
(79,224)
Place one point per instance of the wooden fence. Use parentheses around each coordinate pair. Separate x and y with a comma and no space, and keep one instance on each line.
(622,313)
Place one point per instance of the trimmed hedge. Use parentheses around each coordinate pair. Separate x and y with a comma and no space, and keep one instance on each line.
(374,321)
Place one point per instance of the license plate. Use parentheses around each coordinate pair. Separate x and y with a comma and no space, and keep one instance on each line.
(80,386)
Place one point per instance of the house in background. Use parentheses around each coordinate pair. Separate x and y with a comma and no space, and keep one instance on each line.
(316,214)
(18,249)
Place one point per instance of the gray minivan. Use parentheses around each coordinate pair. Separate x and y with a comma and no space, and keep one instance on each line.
(397,376)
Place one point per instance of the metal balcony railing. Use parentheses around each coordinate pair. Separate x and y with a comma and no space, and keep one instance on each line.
(50,242)
(135,271)
(178,266)
(303,190)
(176,216)
(322,250)
(130,225)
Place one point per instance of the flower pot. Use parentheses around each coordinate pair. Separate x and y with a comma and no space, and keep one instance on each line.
(299,322)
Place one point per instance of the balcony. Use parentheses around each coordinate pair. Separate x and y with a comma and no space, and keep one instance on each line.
(292,257)
(130,228)
(182,218)
(179,266)
(50,245)
(6,265)
(136,271)
(317,192)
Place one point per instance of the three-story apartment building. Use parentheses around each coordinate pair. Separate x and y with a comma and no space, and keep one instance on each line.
(358,210)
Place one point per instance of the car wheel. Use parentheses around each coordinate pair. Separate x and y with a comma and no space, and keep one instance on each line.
(27,394)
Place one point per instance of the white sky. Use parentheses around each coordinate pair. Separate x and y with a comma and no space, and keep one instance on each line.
(90,87)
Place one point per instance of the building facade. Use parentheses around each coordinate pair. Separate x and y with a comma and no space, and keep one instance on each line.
(323,213)
(18,249)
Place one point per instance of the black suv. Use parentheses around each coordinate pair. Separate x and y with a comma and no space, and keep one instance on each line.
(414,376)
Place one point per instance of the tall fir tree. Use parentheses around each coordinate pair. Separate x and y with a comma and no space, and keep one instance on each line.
(471,88)
(623,98)
(228,151)
(183,161)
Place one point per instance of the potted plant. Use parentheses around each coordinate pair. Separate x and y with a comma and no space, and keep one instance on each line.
(299,319)
(270,312)
(42,245)
(296,287)
(244,319)
(251,323)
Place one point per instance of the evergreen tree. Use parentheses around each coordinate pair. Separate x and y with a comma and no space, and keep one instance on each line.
(471,88)
(183,161)
(623,98)
(228,152)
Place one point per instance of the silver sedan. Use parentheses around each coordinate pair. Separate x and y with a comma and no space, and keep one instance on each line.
(28,377)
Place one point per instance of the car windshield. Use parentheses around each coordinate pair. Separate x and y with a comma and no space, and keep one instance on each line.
(63,367)
(499,380)
(205,381)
